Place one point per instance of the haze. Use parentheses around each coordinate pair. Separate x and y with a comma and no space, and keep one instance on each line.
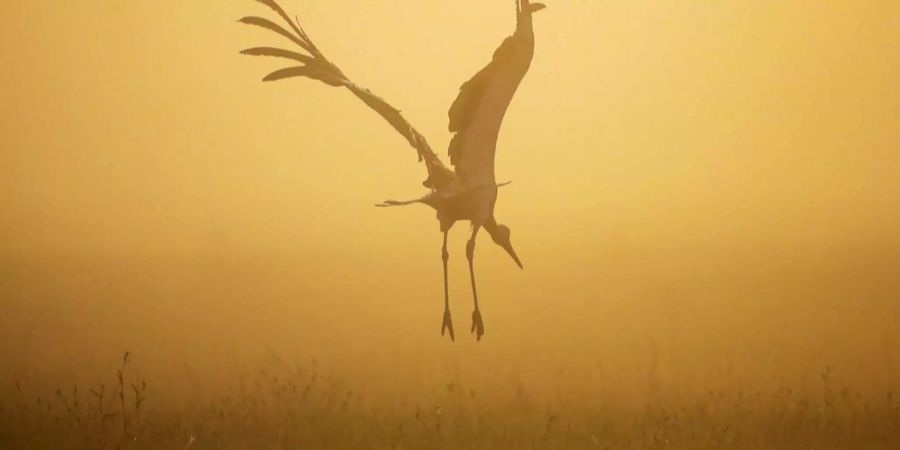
(702,191)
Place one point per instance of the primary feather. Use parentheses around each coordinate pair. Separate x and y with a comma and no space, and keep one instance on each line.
(317,67)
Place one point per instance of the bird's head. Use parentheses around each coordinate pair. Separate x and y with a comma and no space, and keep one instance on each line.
(530,8)
(500,235)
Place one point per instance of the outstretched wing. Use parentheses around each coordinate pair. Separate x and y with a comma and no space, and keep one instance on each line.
(477,113)
(313,64)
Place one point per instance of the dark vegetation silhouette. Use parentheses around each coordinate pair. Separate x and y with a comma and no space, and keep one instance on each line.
(286,406)
(470,191)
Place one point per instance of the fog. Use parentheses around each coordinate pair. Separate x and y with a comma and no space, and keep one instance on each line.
(703,195)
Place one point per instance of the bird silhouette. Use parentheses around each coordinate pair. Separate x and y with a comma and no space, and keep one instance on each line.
(470,191)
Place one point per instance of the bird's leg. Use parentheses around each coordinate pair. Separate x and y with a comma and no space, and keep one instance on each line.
(477,324)
(447,325)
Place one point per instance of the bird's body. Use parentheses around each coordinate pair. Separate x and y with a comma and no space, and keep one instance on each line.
(469,192)
(475,204)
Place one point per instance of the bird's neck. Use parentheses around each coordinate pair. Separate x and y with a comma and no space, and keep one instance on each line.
(490,225)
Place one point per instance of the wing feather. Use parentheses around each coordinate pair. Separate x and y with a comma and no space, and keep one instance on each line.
(316,66)
(279,53)
(306,71)
(477,113)
(272,26)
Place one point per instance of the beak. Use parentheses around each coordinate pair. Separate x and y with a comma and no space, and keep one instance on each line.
(535,7)
(509,249)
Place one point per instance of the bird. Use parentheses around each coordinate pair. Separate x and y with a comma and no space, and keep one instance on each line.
(468,191)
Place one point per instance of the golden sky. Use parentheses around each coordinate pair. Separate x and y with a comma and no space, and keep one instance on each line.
(728,168)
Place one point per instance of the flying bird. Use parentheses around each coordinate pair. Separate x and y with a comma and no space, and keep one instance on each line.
(469,190)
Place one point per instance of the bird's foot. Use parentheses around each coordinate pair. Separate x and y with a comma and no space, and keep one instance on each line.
(477,324)
(447,325)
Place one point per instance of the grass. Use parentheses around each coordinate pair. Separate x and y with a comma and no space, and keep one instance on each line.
(303,409)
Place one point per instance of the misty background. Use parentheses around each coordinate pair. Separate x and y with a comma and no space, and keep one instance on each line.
(703,194)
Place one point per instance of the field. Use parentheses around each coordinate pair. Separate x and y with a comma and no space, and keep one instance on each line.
(300,408)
